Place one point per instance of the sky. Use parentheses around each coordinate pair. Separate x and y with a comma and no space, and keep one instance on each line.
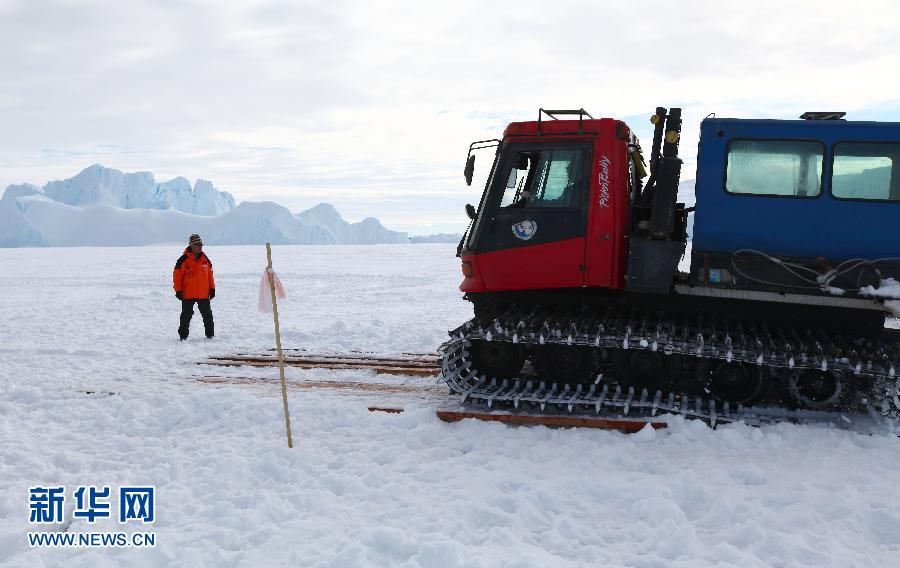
(371,105)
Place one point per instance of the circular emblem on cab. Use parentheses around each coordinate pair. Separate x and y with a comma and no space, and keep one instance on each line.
(524,230)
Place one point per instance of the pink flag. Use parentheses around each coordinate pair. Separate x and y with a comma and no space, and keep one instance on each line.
(265,291)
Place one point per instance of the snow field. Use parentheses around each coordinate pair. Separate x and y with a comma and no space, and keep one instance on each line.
(369,489)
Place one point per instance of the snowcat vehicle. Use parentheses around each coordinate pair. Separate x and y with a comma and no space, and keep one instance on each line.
(571,262)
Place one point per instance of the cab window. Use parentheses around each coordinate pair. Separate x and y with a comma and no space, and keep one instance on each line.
(553,178)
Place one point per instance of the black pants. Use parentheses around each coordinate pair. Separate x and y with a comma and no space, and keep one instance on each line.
(187,312)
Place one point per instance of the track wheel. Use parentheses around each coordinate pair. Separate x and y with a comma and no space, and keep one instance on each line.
(485,312)
(497,358)
(892,395)
(816,389)
(645,369)
(566,363)
(736,383)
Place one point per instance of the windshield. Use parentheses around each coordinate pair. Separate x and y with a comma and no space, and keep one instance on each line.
(535,177)
(544,178)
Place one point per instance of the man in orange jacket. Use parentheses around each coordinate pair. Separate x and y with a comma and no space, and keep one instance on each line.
(194,283)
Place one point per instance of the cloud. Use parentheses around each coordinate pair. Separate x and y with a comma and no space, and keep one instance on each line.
(373,104)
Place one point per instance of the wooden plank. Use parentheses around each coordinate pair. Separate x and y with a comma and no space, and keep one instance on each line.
(335,385)
(385,409)
(623,425)
(333,360)
(385,370)
(303,352)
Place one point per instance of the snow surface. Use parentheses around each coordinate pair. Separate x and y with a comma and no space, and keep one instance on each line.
(888,288)
(369,489)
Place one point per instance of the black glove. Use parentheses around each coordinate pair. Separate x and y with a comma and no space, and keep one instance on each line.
(179,295)
(212,293)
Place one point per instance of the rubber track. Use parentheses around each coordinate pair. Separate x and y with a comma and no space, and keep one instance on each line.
(725,341)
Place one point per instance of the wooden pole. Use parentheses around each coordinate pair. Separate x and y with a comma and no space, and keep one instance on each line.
(287,415)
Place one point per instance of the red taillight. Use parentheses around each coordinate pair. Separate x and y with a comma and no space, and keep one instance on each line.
(467,269)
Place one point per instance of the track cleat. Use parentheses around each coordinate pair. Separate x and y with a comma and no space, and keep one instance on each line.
(656,400)
(628,400)
(547,396)
(573,398)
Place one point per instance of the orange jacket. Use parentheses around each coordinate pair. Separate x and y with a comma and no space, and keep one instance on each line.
(193,277)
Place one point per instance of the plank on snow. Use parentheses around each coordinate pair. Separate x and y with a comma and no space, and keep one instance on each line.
(551,420)
(419,371)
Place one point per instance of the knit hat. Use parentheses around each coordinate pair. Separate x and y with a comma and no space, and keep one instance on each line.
(195,240)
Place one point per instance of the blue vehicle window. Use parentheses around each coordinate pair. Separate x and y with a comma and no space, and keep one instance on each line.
(787,168)
(865,171)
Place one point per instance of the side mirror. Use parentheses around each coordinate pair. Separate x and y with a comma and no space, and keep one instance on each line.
(470,169)
(470,211)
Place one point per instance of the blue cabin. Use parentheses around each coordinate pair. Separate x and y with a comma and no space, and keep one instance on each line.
(803,189)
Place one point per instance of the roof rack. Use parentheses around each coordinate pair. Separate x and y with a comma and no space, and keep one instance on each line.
(553,114)
(821,115)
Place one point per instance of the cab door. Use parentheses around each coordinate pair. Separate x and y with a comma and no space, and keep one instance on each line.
(531,228)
